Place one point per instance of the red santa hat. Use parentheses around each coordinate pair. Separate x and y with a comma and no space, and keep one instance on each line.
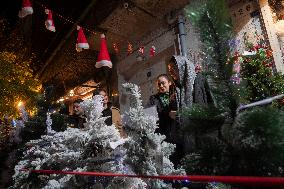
(49,21)
(152,51)
(82,42)
(27,9)
(103,58)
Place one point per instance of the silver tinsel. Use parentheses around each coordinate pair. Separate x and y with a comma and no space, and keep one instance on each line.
(187,76)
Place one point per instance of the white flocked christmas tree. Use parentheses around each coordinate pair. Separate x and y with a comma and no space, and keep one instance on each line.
(99,148)
(147,152)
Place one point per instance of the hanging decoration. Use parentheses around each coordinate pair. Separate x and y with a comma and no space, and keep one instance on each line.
(141,55)
(26,9)
(103,58)
(49,24)
(115,47)
(82,42)
(152,51)
(141,50)
(129,49)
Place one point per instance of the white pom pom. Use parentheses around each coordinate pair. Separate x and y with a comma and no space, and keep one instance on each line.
(78,27)
(103,35)
(46,11)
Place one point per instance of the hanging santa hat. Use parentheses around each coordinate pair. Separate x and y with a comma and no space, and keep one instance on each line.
(141,50)
(27,9)
(103,58)
(152,51)
(49,22)
(82,42)
(129,49)
(140,56)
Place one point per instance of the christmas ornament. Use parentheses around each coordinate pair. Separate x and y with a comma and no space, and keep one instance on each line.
(140,56)
(129,49)
(141,50)
(115,47)
(82,42)
(26,10)
(49,24)
(103,58)
(152,51)
(235,79)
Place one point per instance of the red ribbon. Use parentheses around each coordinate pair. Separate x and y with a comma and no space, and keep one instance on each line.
(267,181)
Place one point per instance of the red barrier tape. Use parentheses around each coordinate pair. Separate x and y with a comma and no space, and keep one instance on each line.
(267,181)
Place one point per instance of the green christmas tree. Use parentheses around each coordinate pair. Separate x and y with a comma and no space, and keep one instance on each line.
(239,147)
(16,76)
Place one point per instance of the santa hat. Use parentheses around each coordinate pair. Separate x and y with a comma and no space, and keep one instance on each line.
(49,22)
(82,42)
(27,9)
(103,59)
(152,51)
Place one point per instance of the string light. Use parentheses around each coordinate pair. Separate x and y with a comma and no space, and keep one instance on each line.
(20,103)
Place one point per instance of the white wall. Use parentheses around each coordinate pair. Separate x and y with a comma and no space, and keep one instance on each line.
(159,66)
(243,23)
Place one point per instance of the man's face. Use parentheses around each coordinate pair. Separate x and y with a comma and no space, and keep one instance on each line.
(78,110)
(104,96)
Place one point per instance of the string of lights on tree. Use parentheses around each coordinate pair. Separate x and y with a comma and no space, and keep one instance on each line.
(82,43)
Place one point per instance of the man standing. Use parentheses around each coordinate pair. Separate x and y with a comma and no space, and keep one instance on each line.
(110,111)
(79,114)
